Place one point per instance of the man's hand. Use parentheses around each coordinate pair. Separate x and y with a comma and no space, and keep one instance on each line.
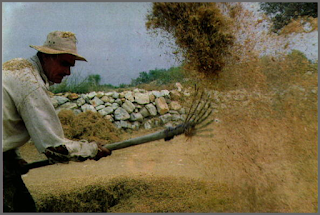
(57,154)
(102,152)
(21,165)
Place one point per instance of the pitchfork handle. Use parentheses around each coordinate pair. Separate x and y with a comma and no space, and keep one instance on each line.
(166,134)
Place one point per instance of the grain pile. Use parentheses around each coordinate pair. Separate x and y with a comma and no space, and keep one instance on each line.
(89,126)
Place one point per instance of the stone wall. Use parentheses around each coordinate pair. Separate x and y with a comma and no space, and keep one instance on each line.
(134,109)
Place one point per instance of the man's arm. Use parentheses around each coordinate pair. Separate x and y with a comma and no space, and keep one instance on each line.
(46,131)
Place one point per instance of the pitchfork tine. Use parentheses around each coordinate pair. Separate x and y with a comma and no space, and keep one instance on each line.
(194,111)
(206,124)
(194,99)
(204,118)
(205,107)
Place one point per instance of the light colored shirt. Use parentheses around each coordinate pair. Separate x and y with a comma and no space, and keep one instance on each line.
(29,113)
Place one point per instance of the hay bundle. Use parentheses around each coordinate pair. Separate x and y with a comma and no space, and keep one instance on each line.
(89,126)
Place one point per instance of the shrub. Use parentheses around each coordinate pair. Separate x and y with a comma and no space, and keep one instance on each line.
(160,76)
(282,14)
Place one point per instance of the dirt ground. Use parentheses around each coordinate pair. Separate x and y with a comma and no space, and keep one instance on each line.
(180,158)
(177,157)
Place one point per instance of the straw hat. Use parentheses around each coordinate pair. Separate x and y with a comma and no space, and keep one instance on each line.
(60,42)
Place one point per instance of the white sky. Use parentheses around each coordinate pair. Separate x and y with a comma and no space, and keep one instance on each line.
(111,36)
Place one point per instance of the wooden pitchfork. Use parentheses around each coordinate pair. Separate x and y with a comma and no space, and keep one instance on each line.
(197,118)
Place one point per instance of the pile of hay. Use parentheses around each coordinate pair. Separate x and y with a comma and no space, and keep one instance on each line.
(89,126)
(144,195)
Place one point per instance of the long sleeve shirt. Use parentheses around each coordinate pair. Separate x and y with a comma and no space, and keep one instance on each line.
(29,113)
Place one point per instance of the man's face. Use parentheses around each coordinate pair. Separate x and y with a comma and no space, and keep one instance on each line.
(58,66)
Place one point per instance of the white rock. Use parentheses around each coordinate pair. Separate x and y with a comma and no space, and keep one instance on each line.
(142,98)
(100,94)
(59,100)
(115,95)
(148,125)
(105,99)
(152,109)
(165,93)
(129,96)
(165,118)
(157,94)
(144,112)
(68,105)
(87,107)
(136,117)
(118,101)
(128,106)
(81,101)
(115,106)
(174,105)
(91,95)
(110,94)
(121,114)
(96,102)
(162,106)
(109,117)
(54,102)
(106,111)
(122,124)
(121,95)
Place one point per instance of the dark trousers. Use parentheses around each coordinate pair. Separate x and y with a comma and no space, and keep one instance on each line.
(16,197)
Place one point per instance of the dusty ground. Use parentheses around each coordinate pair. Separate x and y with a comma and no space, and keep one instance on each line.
(178,157)
(166,165)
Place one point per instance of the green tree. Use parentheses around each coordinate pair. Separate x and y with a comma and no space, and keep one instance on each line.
(282,13)
(161,76)
(94,79)
(200,31)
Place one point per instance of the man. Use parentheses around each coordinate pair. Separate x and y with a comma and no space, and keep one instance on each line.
(29,113)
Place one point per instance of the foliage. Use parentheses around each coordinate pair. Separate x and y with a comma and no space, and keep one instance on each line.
(200,31)
(94,79)
(161,76)
(76,84)
(282,14)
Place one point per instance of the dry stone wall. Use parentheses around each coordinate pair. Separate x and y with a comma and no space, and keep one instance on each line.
(134,109)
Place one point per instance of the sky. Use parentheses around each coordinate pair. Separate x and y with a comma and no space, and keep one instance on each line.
(111,35)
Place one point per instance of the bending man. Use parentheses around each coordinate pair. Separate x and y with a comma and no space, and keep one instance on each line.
(29,113)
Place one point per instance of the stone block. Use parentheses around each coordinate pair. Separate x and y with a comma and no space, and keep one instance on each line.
(128,106)
(152,109)
(162,106)
(121,114)
(142,98)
